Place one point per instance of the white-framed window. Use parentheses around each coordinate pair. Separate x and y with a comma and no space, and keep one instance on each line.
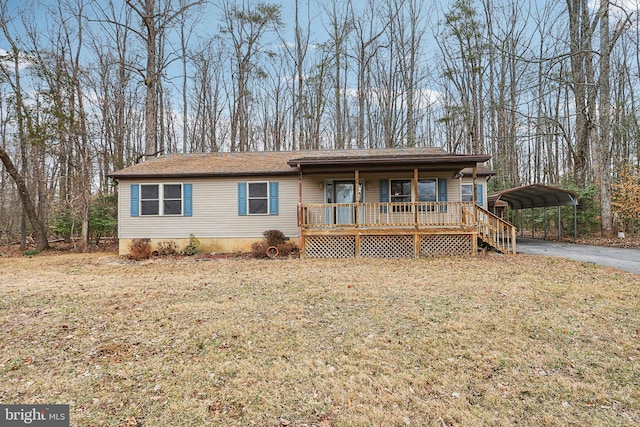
(400,190)
(258,198)
(149,199)
(427,190)
(161,199)
(466,192)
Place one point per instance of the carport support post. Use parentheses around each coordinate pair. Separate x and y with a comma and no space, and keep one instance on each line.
(533,224)
(559,221)
(521,221)
(575,221)
(544,221)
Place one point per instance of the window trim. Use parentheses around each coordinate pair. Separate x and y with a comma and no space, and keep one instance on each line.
(267,198)
(435,187)
(161,199)
(157,199)
(391,195)
(437,193)
(466,184)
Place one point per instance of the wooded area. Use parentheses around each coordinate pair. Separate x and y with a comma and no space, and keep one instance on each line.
(88,87)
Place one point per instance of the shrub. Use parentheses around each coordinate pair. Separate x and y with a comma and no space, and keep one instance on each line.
(259,249)
(66,220)
(192,246)
(287,248)
(103,217)
(274,237)
(167,248)
(140,249)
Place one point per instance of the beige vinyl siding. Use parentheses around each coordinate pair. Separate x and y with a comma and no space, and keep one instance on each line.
(313,185)
(372,184)
(215,205)
(215,211)
(312,189)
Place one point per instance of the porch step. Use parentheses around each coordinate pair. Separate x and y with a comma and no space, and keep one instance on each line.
(485,242)
(494,233)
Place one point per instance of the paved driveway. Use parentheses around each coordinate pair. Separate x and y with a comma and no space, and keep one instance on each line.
(623,259)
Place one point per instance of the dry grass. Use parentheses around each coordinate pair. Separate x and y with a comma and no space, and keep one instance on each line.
(487,341)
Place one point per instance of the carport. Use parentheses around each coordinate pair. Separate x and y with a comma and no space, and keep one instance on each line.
(536,196)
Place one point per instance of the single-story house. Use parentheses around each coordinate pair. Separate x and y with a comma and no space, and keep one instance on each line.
(337,203)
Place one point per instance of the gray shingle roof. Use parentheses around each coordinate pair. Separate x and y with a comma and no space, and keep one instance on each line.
(273,163)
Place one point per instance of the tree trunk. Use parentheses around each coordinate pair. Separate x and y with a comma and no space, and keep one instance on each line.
(578,44)
(39,229)
(151,102)
(603,148)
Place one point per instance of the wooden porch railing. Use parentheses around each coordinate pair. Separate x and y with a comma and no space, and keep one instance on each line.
(410,214)
(495,231)
(464,215)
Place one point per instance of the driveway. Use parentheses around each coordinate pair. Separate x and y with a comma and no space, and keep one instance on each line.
(623,259)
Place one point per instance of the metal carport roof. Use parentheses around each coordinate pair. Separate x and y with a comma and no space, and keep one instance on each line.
(537,196)
(534,196)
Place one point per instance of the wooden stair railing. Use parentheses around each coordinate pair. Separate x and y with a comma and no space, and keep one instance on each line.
(495,232)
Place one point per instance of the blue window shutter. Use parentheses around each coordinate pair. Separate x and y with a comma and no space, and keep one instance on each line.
(135,200)
(384,191)
(187,200)
(273,198)
(384,194)
(442,193)
(242,198)
(442,190)
(480,195)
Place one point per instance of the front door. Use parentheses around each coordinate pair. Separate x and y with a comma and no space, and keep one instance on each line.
(341,193)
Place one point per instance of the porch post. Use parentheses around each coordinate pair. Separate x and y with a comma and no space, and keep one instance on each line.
(300,237)
(475,195)
(414,197)
(475,184)
(356,214)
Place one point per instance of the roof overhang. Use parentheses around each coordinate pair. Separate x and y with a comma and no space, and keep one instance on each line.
(119,176)
(287,163)
(388,163)
(534,196)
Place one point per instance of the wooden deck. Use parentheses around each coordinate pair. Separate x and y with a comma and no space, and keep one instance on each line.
(391,230)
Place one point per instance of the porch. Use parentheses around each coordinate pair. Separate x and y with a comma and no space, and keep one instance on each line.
(399,230)
(396,203)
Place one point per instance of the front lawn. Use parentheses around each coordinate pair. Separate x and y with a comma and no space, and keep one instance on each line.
(491,340)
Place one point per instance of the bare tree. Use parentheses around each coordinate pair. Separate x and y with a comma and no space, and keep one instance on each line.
(157,16)
(207,131)
(366,46)
(339,29)
(10,70)
(114,88)
(244,26)
(462,47)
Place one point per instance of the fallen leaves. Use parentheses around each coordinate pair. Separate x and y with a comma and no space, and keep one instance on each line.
(322,342)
